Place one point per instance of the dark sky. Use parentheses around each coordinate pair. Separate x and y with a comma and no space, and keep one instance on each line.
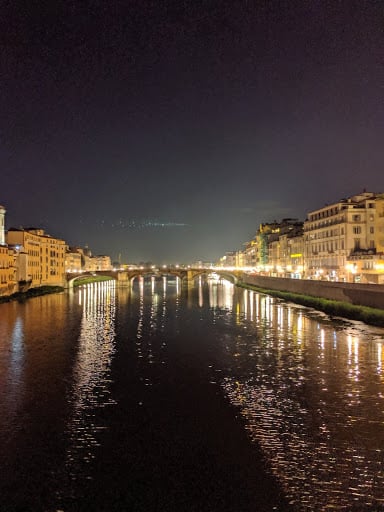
(168,130)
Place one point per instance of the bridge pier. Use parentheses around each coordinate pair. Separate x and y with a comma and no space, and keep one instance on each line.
(123,279)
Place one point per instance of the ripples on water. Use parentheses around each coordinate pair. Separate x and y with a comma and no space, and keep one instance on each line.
(310,390)
(90,390)
(312,397)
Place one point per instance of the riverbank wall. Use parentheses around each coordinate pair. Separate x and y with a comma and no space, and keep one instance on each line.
(370,295)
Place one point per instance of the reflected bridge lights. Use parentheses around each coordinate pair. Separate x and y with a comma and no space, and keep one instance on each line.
(353,356)
(379,358)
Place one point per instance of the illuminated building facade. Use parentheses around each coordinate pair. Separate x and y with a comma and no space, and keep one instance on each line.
(7,271)
(73,260)
(367,266)
(343,241)
(7,261)
(228,260)
(240,259)
(103,262)
(40,258)
(336,232)
(250,251)
(273,249)
(286,253)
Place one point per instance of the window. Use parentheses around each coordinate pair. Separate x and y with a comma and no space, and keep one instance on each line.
(356,230)
(371,229)
(357,244)
(356,218)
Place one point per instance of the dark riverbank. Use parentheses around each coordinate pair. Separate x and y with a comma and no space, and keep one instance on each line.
(46,290)
(371,316)
(32,292)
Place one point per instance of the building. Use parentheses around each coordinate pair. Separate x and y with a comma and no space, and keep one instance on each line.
(7,261)
(73,260)
(7,271)
(272,246)
(295,263)
(228,260)
(240,259)
(250,253)
(40,258)
(367,265)
(103,262)
(336,232)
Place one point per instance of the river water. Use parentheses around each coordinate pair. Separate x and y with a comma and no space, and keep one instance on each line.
(208,398)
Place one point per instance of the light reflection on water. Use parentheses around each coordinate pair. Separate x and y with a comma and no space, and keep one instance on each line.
(312,398)
(151,340)
(90,391)
(12,355)
(310,390)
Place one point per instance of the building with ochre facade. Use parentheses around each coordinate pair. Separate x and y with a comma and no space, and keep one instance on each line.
(40,258)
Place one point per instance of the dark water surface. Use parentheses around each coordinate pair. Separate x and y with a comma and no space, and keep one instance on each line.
(163,398)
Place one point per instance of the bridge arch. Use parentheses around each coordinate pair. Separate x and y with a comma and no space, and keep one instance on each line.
(72,277)
(225,274)
(133,274)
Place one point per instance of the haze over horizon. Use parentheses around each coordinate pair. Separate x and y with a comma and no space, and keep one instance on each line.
(169,131)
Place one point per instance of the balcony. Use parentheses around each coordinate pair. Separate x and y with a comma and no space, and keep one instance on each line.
(361,254)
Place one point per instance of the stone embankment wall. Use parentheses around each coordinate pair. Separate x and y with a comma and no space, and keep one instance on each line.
(371,295)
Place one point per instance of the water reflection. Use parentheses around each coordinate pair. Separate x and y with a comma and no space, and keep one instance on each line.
(91,375)
(12,357)
(312,398)
(152,317)
(221,294)
(310,391)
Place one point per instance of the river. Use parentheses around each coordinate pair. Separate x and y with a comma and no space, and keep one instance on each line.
(168,398)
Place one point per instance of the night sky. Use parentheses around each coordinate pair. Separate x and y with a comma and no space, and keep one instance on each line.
(166,131)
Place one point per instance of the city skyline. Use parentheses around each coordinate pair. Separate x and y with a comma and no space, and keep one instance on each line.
(149,224)
(170,132)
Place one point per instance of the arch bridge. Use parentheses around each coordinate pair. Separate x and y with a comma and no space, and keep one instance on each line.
(125,277)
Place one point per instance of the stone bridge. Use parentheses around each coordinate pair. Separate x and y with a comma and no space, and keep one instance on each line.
(126,277)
